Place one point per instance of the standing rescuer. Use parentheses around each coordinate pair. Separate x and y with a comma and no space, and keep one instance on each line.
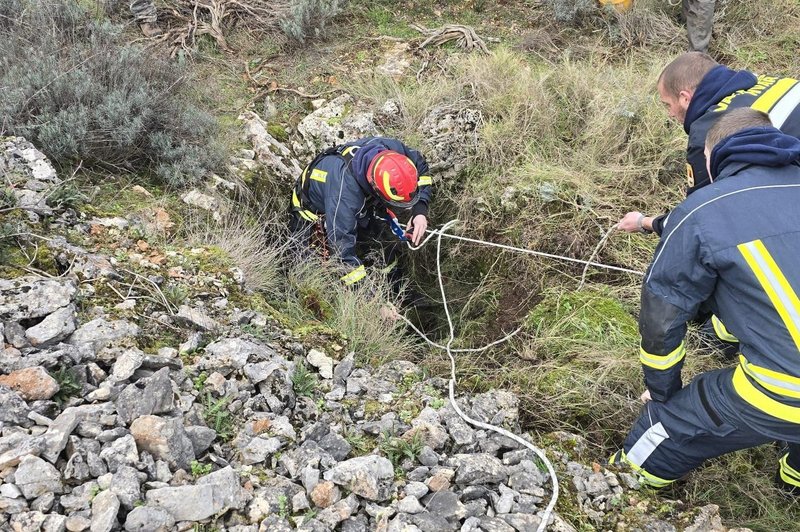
(732,247)
(697,91)
(351,193)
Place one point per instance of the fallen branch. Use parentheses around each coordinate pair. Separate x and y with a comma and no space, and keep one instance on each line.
(464,36)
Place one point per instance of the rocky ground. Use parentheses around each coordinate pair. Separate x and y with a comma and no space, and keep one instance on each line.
(234,423)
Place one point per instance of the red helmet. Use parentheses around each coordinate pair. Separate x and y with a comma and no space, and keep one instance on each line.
(394,177)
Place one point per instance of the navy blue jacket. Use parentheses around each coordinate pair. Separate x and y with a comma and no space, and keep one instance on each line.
(342,194)
(733,247)
(722,89)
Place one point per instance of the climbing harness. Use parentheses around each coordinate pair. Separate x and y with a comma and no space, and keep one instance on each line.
(440,233)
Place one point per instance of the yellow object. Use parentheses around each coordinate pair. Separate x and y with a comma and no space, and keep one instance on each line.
(619,5)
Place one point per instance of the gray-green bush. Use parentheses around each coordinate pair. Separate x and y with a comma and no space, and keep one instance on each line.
(308,19)
(73,87)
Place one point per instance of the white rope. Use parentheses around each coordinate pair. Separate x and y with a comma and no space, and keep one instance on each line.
(594,254)
(435,232)
(545,516)
(440,233)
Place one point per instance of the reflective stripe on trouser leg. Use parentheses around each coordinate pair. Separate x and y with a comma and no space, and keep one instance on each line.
(641,450)
(789,466)
(670,439)
(721,331)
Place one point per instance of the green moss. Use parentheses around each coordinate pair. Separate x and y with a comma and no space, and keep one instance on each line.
(374,409)
(589,315)
(278,131)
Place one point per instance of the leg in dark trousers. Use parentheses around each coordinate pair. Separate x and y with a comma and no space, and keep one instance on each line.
(672,438)
(699,23)
(788,475)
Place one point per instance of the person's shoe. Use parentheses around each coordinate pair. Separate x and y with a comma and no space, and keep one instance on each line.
(785,487)
(150,29)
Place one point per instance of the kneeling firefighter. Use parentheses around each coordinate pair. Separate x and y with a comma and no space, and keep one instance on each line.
(347,197)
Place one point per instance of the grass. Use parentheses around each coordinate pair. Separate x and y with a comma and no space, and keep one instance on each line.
(304,381)
(398,449)
(68,385)
(217,416)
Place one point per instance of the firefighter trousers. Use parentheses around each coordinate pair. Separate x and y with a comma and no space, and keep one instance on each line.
(670,439)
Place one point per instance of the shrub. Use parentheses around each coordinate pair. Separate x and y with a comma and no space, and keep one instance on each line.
(309,18)
(77,91)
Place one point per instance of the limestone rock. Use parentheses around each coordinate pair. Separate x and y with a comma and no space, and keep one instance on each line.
(32,384)
(367,476)
(321,361)
(149,519)
(478,468)
(15,410)
(184,503)
(165,439)
(35,477)
(227,492)
(231,354)
(197,318)
(269,152)
(31,297)
(53,328)
(105,507)
(99,333)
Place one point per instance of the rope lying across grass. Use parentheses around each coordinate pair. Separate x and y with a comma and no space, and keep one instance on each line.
(545,516)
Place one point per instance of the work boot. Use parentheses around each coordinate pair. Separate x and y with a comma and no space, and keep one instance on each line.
(787,477)
(150,29)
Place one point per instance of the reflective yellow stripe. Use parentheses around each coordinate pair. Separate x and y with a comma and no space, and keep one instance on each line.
(319,175)
(424,180)
(308,215)
(354,276)
(662,361)
(762,401)
(785,107)
(304,213)
(349,149)
(648,478)
(776,286)
(722,331)
(765,102)
(774,381)
(789,474)
(387,187)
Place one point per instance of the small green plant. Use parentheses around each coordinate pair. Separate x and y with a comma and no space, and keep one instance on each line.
(283,506)
(176,294)
(217,416)
(398,449)
(406,416)
(252,330)
(7,198)
(66,195)
(68,385)
(304,381)
(438,403)
(198,469)
(93,491)
(199,381)
(360,443)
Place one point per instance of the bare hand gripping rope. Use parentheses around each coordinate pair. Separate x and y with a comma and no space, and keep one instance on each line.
(545,516)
